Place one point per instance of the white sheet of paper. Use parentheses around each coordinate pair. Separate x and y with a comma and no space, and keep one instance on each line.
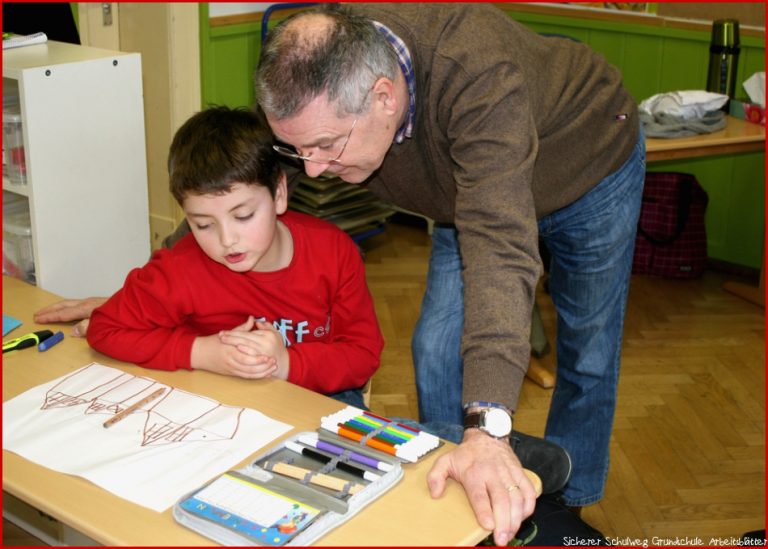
(152,457)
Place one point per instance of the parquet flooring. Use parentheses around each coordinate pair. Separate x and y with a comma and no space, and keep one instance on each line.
(688,446)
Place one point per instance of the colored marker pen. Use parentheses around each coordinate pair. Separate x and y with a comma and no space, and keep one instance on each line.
(28,340)
(50,342)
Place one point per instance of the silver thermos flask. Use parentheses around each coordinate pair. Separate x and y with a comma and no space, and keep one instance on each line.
(723,57)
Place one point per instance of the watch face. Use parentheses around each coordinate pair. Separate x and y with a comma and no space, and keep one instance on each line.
(498,423)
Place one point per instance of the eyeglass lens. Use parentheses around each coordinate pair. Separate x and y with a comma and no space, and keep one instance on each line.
(293,153)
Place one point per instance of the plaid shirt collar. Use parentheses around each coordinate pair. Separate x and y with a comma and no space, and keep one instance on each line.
(404,58)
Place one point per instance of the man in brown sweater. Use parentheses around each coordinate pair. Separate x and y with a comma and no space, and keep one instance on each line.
(500,135)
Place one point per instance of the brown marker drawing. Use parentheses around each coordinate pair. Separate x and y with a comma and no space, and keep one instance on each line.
(178,416)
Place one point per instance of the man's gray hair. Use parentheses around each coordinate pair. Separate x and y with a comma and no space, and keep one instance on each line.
(337,53)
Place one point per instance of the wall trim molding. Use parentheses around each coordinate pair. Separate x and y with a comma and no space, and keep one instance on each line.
(619,16)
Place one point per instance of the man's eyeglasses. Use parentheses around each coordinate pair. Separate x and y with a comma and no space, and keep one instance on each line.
(291,153)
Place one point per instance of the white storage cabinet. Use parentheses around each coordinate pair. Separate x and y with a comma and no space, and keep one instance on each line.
(82,120)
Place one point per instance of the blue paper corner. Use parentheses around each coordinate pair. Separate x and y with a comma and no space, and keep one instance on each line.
(10,323)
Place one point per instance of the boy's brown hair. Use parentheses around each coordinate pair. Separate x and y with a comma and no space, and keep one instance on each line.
(220,146)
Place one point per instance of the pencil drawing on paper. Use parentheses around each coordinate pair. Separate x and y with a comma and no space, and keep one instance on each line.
(178,416)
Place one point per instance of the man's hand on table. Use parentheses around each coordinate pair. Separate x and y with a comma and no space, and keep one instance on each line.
(497,488)
(68,310)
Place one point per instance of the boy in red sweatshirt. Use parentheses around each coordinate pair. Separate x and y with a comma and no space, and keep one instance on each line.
(255,291)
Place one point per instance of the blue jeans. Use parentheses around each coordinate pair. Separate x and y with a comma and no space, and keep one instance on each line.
(353,397)
(591,243)
(436,342)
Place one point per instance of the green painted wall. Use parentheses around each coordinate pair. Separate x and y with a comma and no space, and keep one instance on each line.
(75,11)
(228,56)
(653,59)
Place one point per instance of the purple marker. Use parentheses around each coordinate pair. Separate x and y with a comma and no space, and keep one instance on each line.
(338,450)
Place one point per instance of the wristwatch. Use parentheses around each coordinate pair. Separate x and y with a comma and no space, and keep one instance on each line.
(494,421)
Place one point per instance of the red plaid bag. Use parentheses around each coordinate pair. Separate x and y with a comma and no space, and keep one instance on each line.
(671,236)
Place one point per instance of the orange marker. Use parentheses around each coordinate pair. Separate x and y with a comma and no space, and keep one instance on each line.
(354,435)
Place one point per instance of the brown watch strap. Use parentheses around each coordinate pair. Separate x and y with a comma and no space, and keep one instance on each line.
(473,420)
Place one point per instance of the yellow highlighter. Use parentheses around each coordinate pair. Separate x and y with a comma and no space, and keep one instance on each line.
(32,339)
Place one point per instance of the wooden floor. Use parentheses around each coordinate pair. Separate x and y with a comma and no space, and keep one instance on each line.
(688,448)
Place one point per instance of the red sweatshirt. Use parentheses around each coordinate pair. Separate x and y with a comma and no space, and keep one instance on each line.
(320,303)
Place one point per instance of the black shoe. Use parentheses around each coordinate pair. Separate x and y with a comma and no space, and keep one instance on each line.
(755,537)
(547,459)
(575,509)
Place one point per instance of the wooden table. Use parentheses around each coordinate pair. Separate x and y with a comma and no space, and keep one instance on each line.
(406,515)
(738,136)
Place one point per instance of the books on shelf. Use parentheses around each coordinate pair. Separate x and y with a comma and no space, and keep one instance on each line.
(352,208)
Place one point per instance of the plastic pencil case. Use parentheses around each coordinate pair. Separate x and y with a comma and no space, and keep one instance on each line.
(333,506)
